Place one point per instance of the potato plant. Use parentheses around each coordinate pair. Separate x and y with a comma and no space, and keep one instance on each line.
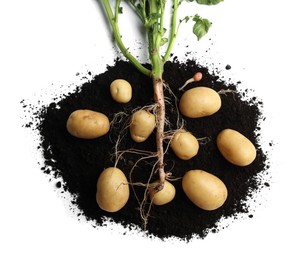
(152,16)
(203,189)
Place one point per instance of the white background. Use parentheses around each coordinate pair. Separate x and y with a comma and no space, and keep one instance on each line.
(45,43)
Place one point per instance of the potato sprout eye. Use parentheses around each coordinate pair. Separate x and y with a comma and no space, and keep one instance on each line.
(198,76)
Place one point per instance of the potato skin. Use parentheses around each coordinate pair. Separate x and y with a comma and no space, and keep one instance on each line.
(142,125)
(204,189)
(199,102)
(184,145)
(235,147)
(112,190)
(87,124)
(121,91)
(163,196)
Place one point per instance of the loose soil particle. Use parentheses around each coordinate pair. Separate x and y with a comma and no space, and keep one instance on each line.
(79,162)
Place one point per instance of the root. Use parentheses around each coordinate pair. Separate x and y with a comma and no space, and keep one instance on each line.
(151,107)
(118,119)
(169,177)
(160,123)
(119,129)
(145,214)
(226,91)
(167,87)
(204,140)
(119,123)
(169,134)
(122,121)
(119,154)
(118,126)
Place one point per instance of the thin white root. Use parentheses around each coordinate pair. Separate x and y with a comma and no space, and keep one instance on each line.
(167,87)
(139,184)
(117,126)
(118,154)
(150,107)
(225,91)
(121,134)
(123,183)
(118,129)
(116,147)
(204,140)
(145,214)
(172,178)
(169,134)
(118,118)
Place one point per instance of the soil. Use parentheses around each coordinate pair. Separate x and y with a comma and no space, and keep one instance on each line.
(77,163)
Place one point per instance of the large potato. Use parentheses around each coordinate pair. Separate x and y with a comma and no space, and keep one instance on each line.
(163,196)
(112,190)
(199,102)
(184,144)
(121,91)
(142,125)
(235,147)
(204,189)
(87,124)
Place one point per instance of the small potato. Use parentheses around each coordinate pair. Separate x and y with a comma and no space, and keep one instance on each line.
(142,125)
(204,189)
(87,124)
(184,145)
(163,196)
(235,147)
(121,91)
(199,102)
(112,190)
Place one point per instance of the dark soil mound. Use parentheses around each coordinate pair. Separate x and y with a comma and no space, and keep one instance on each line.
(80,162)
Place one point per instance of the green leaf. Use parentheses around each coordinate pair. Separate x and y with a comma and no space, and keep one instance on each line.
(208,2)
(185,19)
(201,26)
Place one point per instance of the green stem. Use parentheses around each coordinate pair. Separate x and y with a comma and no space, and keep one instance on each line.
(119,41)
(162,4)
(117,5)
(173,33)
(154,40)
(144,11)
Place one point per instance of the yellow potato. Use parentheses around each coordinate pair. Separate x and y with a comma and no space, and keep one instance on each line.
(199,102)
(235,147)
(204,189)
(87,124)
(121,91)
(163,196)
(112,190)
(142,125)
(184,145)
